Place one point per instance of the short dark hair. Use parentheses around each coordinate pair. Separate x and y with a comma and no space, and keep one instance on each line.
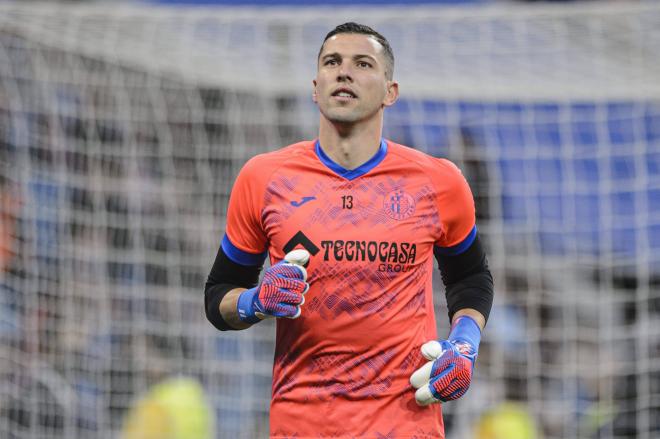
(356,28)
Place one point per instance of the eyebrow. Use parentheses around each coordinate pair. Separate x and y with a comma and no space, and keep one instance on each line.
(355,57)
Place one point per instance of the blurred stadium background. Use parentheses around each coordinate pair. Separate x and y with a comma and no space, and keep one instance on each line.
(123,125)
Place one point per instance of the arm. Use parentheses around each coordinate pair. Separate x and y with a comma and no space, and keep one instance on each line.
(479,318)
(224,285)
(468,282)
(229,309)
(234,277)
(469,289)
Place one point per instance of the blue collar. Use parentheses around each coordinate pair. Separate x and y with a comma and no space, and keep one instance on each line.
(351,174)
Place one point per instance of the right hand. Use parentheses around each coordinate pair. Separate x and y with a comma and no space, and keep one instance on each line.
(280,293)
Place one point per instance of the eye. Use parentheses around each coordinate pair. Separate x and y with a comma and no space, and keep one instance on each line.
(364,64)
(330,62)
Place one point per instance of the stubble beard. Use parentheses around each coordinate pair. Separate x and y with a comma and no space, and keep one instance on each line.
(341,117)
(347,116)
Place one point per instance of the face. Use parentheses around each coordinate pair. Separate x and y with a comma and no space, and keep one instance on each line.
(351,83)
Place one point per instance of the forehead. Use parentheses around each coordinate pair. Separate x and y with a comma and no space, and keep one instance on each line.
(352,44)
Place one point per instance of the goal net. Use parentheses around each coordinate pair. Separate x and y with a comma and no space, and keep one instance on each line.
(122,129)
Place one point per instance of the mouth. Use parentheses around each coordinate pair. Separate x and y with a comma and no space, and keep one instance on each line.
(344,93)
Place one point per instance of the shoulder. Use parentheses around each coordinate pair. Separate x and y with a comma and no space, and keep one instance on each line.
(436,168)
(262,166)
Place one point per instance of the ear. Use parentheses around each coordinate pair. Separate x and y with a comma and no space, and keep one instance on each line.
(314,95)
(392,93)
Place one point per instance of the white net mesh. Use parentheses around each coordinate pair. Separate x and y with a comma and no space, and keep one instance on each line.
(122,129)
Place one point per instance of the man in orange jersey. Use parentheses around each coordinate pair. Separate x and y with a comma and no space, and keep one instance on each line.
(352,223)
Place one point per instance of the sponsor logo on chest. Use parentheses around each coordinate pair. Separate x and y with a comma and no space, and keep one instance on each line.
(390,256)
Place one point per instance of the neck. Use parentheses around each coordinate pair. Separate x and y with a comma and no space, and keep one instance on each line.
(350,145)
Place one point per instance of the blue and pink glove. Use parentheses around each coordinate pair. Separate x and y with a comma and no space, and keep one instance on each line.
(448,373)
(280,292)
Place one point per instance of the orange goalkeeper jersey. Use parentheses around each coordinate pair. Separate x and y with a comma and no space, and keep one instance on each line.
(341,369)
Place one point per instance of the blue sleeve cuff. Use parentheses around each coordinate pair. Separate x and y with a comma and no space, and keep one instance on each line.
(458,248)
(245,306)
(242,257)
(465,328)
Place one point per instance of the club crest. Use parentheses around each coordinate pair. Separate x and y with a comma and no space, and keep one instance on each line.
(399,205)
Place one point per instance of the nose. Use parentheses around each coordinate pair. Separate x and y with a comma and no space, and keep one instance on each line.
(344,73)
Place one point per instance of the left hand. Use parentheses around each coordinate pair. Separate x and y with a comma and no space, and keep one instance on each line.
(448,373)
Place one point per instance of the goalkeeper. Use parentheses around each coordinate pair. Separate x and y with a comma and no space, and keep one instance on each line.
(352,223)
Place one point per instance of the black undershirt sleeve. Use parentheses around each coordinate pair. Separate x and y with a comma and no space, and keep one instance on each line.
(467,278)
(224,277)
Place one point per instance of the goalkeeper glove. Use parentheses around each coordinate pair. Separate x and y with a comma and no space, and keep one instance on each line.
(280,293)
(448,373)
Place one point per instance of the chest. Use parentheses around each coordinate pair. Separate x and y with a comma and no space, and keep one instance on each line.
(381,218)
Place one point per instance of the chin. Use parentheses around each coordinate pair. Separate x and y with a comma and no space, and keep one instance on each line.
(341,117)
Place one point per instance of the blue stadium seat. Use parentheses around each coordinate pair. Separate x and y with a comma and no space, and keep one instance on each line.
(587,201)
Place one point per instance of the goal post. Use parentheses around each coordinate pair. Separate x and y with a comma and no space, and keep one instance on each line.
(122,129)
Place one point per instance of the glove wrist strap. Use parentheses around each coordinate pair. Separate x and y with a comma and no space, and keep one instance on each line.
(466,329)
(245,306)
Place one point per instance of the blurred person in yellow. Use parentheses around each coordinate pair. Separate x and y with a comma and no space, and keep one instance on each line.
(506,421)
(175,408)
